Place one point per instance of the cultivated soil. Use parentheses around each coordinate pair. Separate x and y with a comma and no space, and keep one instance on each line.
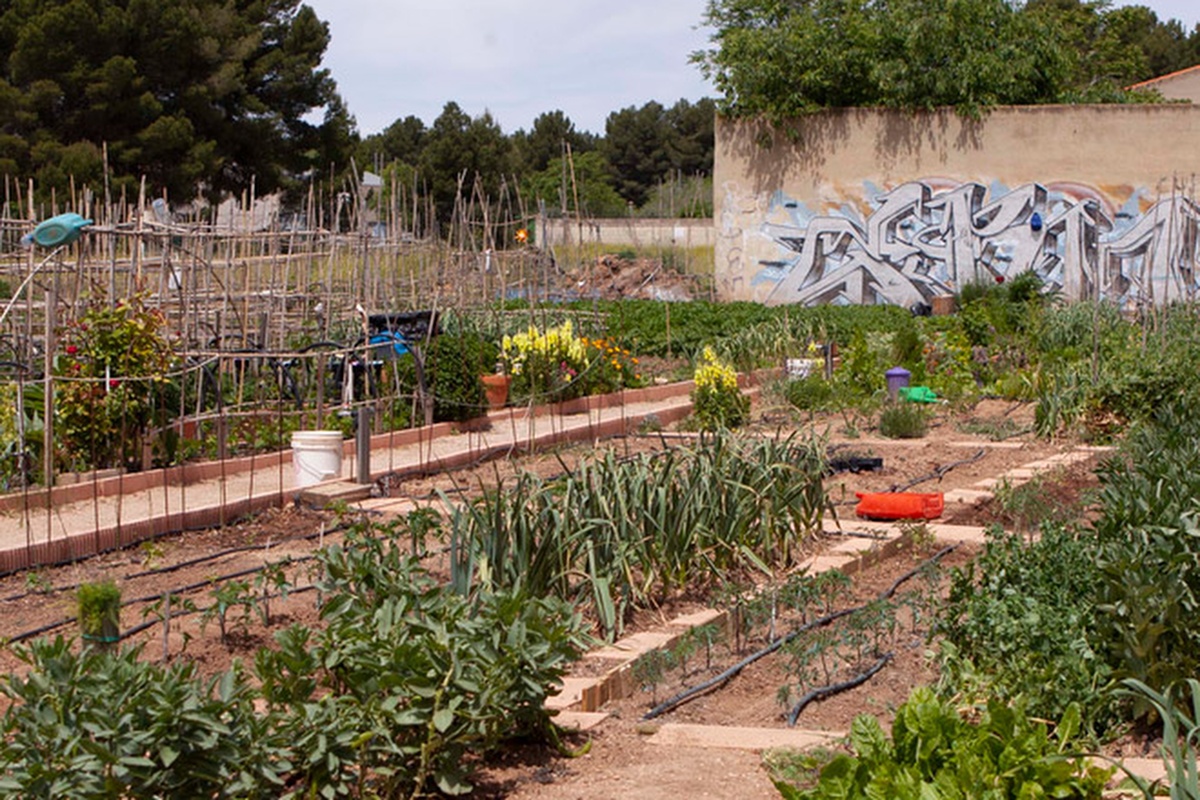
(622,760)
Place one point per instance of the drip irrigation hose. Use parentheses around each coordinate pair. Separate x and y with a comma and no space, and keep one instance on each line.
(822,692)
(199,585)
(731,673)
(191,587)
(939,472)
(186,612)
(308,537)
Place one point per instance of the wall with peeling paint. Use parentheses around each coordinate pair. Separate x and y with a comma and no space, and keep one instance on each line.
(866,205)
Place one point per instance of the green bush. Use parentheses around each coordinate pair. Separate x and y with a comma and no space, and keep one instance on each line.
(903,420)
(410,680)
(809,394)
(453,364)
(115,362)
(405,688)
(1148,551)
(100,724)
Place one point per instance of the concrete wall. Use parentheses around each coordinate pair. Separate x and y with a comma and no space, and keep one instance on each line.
(882,206)
(628,232)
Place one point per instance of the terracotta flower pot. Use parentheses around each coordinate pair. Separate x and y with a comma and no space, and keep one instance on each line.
(496,389)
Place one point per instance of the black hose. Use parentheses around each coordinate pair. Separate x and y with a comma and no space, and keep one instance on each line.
(76,559)
(731,673)
(148,624)
(939,472)
(822,692)
(183,564)
(200,585)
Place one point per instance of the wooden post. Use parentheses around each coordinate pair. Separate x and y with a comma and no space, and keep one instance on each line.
(48,400)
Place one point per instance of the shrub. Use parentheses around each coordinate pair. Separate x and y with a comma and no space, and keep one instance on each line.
(113,368)
(717,401)
(809,394)
(100,724)
(454,364)
(1018,622)
(903,421)
(1148,535)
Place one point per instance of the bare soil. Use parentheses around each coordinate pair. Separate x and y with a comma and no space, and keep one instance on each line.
(621,762)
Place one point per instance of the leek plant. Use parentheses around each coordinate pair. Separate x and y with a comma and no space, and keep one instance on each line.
(619,533)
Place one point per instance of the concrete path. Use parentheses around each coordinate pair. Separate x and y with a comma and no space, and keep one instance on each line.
(71,522)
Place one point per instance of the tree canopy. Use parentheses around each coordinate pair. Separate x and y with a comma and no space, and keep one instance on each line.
(643,147)
(785,58)
(189,93)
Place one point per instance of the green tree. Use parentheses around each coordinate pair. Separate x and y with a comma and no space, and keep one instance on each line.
(637,147)
(461,149)
(692,140)
(551,133)
(185,92)
(787,59)
(592,184)
(401,141)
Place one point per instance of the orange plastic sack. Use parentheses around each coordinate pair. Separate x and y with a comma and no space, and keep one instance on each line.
(899,505)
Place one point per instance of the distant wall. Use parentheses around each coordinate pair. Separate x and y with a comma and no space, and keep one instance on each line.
(628,232)
(869,206)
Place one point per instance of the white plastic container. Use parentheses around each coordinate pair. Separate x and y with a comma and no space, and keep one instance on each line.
(317,456)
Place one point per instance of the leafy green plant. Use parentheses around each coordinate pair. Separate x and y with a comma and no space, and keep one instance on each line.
(38,583)
(272,579)
(1018,621)
(650,670)
(454,364)
(813,393)
(933,752)
(99,611)
(236,594)
(478,669)
(1148,543)
(105,724)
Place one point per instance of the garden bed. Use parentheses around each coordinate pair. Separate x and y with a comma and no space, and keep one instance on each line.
(749,700)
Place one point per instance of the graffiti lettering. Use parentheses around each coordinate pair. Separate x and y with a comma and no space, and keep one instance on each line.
(919,242)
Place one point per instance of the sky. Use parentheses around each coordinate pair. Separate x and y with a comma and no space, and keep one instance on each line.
(518,59)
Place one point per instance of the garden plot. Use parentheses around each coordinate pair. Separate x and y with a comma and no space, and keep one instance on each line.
(250,627)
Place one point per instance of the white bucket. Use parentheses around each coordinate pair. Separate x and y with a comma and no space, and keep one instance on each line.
(317,456)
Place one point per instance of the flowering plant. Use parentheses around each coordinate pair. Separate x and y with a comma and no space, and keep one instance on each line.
(610,367)
(716,401)
(558,364)
(544,365)
(112,373)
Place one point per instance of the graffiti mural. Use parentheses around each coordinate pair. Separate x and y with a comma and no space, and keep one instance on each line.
(921,239)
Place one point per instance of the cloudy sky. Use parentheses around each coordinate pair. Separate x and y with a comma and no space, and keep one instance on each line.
(521,58)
